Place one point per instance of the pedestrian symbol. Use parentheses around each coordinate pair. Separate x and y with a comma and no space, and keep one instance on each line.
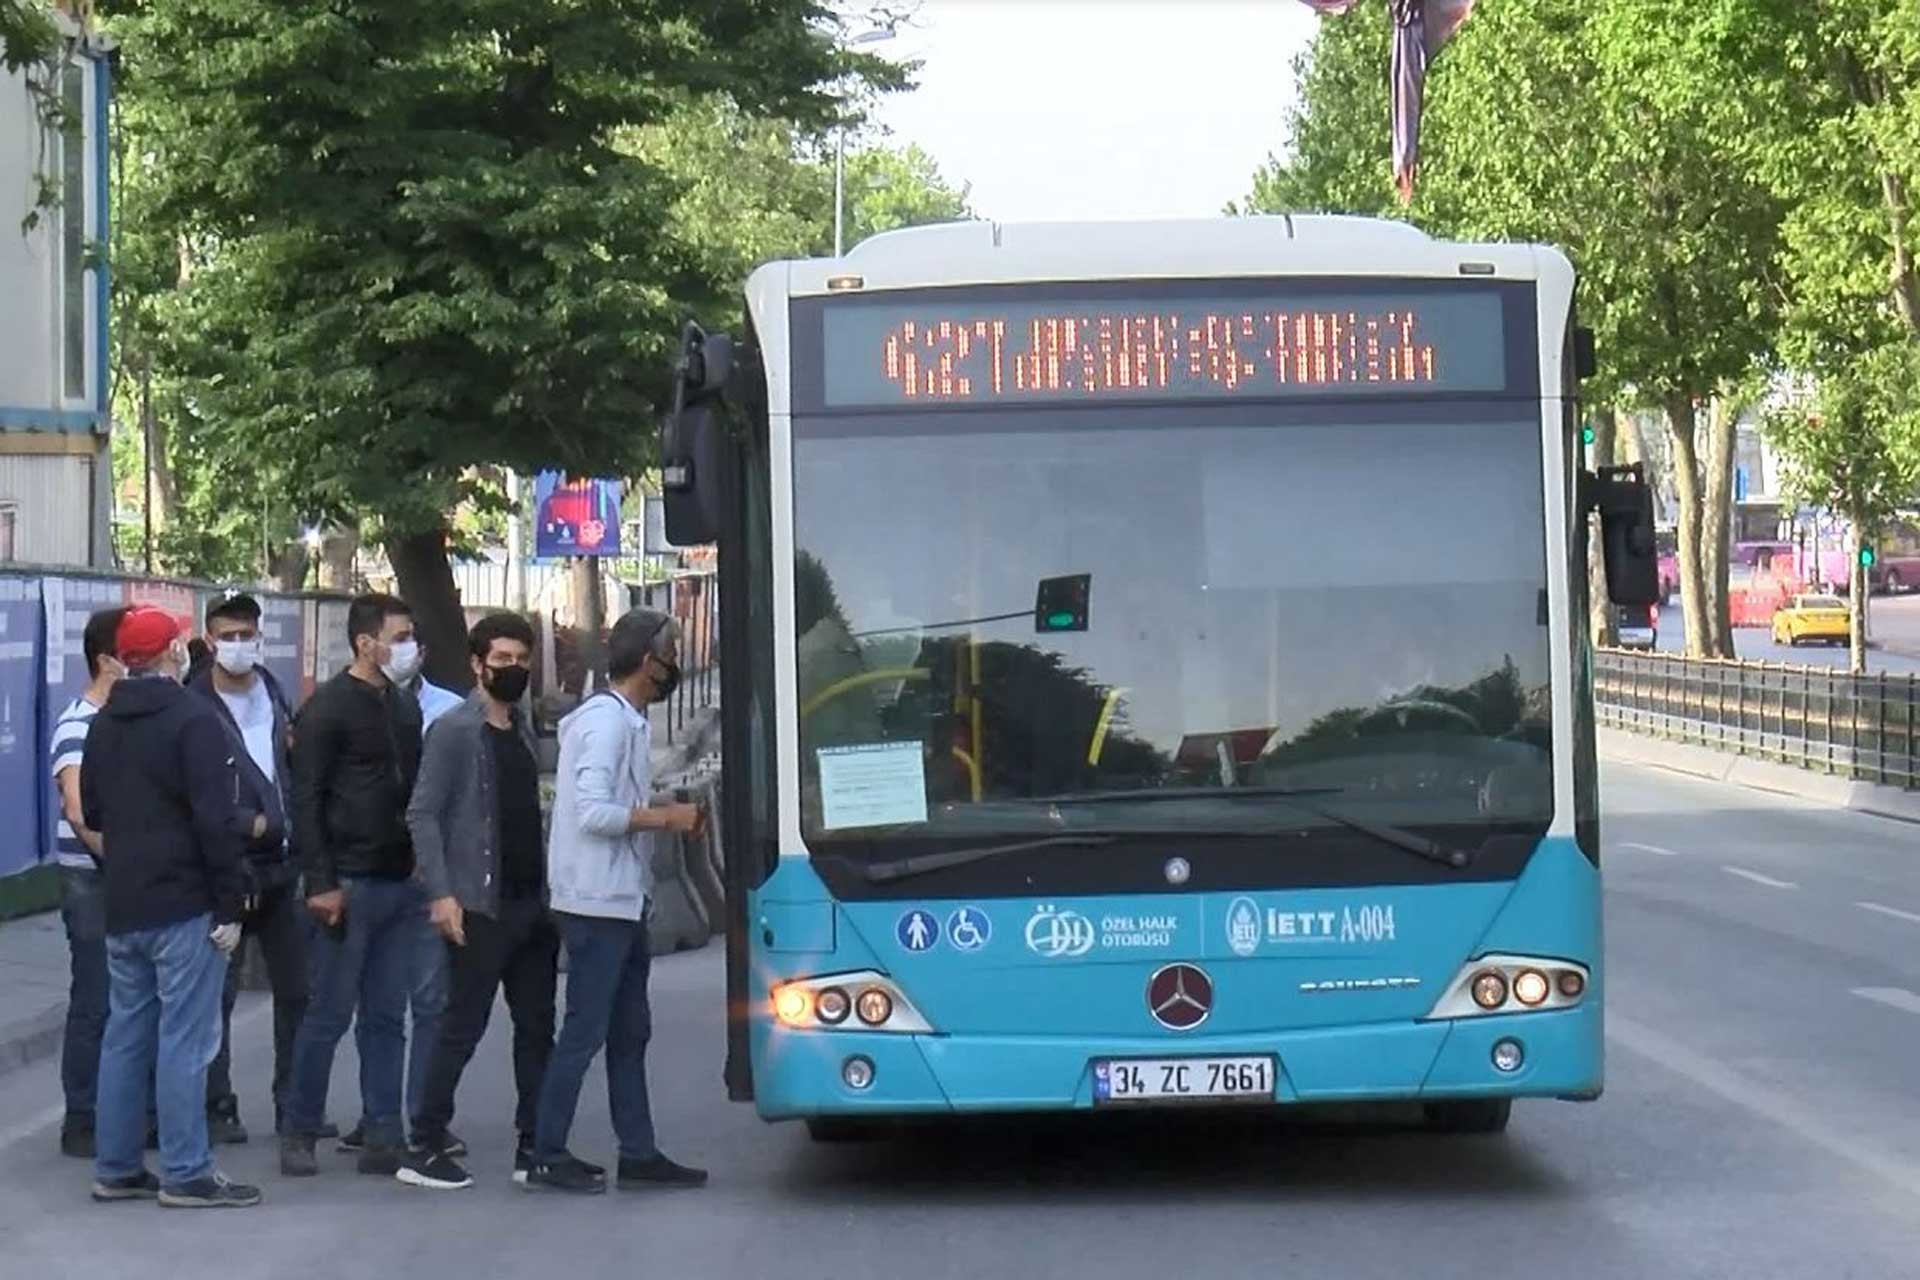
(969,929)
(917,930)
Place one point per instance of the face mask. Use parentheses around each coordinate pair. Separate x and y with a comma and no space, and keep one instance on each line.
(667,681)
(237,657)
(508,684)
(404,664)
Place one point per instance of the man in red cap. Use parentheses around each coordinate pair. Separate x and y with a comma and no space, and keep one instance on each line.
(157,782)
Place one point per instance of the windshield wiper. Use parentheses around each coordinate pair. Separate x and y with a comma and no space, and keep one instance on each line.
(921,863)
(1400,838)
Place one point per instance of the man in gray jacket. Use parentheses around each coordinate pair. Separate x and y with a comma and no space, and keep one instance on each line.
(475,822)
(604,815)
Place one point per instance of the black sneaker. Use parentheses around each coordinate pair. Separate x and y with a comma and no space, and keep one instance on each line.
(523,1162)
(446,1144)
(223,1125)
(76,1137)
(434,1170)
(211,1192)
(355,1142)
(657,1171)
(135,1186)
(382,1159)
(565,1174)
(296,1156)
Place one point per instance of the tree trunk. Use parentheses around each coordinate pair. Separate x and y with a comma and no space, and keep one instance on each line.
(1715,525)
(1599,607)
(426,582)
(1857,624)
(1900,273)
(589,617)
(339,549)
(288,569)
(1686,482)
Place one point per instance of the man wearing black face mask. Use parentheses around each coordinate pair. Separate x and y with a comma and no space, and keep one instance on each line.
(475,819)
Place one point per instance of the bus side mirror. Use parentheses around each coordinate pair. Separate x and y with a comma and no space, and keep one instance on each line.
(693,441)
(1625,504)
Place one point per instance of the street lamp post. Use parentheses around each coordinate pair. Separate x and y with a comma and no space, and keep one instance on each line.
(878,35)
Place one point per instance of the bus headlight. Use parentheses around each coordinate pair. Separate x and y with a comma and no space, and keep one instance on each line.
(1511,984)
(823,1003)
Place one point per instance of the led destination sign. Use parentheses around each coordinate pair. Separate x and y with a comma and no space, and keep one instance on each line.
(924,355)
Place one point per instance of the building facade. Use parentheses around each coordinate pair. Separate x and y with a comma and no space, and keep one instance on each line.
(55,467)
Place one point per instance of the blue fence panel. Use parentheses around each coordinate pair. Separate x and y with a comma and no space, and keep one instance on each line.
(68,603)
(23,792)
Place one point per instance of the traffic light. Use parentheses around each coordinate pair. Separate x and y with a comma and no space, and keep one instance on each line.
(1866,556)
(1061,603)
(1586,436)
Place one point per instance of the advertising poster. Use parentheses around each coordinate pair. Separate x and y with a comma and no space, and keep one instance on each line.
(575,517)
(22,789)
(282,642)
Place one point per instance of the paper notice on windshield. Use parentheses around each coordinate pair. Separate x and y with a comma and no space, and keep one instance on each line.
(880,785)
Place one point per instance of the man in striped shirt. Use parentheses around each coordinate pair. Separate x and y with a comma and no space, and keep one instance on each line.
(83,901)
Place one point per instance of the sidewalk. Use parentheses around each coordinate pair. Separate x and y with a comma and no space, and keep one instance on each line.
(33,949)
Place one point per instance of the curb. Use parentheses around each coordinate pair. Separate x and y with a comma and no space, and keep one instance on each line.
(1754,774)
(26,1041)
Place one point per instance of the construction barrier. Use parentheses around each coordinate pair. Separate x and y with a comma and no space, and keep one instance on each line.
(43,616)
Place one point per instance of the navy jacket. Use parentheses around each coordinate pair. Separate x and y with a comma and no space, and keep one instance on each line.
(157,782)
(269,860)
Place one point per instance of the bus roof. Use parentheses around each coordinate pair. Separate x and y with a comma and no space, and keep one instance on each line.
(979,252)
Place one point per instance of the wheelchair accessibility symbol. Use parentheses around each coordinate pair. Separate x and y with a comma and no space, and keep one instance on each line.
(969,929)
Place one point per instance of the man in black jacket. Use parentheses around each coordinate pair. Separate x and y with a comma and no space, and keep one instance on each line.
(259,725)
(157,783)
(357,752)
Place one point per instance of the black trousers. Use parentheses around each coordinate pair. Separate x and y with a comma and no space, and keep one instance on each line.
(278,920)
(520,951)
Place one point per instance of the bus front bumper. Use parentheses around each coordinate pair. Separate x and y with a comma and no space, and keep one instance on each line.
(805,1073)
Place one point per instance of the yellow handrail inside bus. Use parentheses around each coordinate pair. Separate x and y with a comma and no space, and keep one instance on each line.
(1101,726)
(850,683)
(973,771)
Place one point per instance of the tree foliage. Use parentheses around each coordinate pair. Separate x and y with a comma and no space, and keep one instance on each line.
(27,34)
(406,243)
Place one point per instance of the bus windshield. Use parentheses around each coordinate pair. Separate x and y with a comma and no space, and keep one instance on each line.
(1336,600)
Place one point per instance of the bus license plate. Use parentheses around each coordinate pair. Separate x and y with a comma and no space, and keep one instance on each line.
(1176,1079)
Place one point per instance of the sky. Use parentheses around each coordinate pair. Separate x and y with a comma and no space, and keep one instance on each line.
(1097,109)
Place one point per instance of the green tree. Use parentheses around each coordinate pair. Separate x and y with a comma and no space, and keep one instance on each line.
(426,251)
(27,34)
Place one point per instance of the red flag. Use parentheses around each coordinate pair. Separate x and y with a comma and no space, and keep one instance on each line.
(1420,29)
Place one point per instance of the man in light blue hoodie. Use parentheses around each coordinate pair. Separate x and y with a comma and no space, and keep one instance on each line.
(599,878)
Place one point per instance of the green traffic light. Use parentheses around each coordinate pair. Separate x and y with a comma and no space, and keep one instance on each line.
(1059,621)
(1586,435)
(1866,557)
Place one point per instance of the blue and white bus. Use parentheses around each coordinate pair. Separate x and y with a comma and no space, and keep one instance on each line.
(1096,732)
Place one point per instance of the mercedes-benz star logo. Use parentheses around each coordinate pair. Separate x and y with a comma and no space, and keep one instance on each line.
(1180,997)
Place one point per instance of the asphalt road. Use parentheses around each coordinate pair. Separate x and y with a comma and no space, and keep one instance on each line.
(1893,622)
(1759,1121)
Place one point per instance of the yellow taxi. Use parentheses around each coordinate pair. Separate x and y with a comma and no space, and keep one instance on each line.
(1812,618)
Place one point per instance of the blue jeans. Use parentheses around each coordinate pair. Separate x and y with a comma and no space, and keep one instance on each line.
(163,1030)
(366,964)
(607,967)
(427,990)
(83,909)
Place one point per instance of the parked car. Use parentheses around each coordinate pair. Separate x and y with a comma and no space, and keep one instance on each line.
(1808,617)
(1637,627)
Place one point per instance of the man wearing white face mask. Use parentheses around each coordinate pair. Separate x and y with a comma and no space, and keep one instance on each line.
(356,754)
(259,724)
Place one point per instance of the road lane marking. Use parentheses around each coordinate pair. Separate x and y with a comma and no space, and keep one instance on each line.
(1648,848)
(1895,912)
(1892,997)
(1757,878)
(1765,1104)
